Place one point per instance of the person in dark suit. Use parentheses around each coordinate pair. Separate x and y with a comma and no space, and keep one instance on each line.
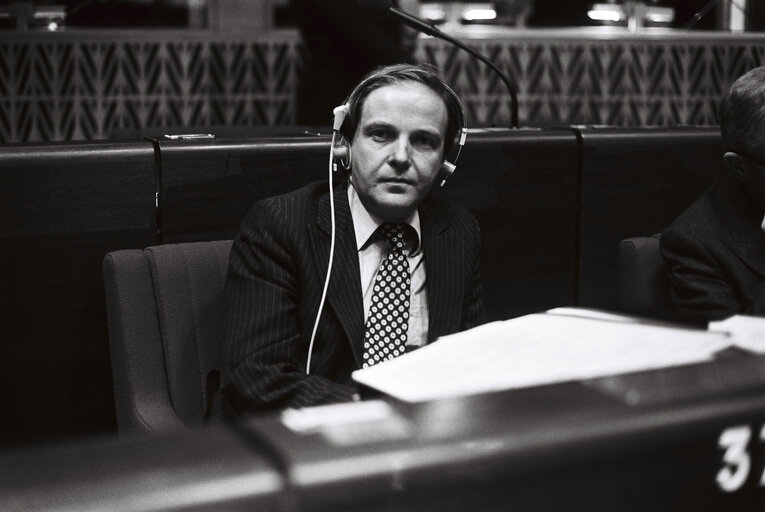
(401,122)
(715,250)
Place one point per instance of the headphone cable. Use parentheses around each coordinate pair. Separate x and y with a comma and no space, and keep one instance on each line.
(331,256)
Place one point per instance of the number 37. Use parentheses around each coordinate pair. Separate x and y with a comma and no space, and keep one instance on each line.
(737,462)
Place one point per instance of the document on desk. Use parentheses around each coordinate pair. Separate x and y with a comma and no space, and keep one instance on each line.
(539,349)
(747,331)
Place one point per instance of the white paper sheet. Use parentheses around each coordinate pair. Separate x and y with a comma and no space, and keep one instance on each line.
(747,332)
(539,349)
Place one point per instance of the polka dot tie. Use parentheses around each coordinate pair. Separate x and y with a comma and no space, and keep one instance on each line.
(388,320)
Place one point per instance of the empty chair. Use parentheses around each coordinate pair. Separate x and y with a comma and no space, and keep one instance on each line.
(165,314)
(643,284)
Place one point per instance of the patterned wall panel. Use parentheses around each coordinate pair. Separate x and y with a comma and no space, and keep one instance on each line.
(76,87)
(623,83)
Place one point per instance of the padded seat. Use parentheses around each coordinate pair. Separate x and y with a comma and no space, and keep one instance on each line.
(644,287)
(165,314)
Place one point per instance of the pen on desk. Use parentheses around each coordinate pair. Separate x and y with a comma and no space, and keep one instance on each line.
(188,136)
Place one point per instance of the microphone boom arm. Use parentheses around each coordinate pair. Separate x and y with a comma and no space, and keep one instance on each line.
(431,30)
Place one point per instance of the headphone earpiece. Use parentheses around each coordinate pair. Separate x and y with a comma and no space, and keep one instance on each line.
(448,168)
(342,152)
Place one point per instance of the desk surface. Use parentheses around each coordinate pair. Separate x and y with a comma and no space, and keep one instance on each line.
(689,441)
(692,441)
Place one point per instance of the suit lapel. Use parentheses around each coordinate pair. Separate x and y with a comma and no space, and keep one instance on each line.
(344,293)
(443,261)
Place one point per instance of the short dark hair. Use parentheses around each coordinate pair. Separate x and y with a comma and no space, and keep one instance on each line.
(742,113)
(396,73)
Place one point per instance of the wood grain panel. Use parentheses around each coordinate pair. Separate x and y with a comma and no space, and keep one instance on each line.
(62,208)
(634,183)
(521,186)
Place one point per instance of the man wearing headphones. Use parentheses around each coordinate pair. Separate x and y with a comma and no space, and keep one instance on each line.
(404,264)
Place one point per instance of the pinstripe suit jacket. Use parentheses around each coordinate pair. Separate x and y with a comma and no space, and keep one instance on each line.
(274,284)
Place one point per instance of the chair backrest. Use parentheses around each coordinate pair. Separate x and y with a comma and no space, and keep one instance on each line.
(165,314)
(643,283)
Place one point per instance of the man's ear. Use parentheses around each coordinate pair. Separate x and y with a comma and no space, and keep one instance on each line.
(734,164)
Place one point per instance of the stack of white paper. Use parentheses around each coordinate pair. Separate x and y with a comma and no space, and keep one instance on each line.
(558,346)
(747,332)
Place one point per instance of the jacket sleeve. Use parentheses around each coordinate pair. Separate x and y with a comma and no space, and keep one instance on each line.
(265,348)
(700,289)
(474,311)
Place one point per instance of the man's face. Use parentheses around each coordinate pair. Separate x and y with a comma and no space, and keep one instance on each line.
(398,148)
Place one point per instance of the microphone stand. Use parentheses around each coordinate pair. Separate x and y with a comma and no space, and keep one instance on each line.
(429,29)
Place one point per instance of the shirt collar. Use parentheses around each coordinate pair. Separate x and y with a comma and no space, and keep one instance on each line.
(366,223)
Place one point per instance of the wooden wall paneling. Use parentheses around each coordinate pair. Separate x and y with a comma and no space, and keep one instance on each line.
(634,183)
(63,207)
(209,185)
(521,186)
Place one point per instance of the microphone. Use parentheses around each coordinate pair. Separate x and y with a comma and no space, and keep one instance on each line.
(385,6)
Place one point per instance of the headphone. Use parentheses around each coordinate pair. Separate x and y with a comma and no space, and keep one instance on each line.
(342,152)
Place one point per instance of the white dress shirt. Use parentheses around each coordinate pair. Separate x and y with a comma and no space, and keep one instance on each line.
(372,248)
